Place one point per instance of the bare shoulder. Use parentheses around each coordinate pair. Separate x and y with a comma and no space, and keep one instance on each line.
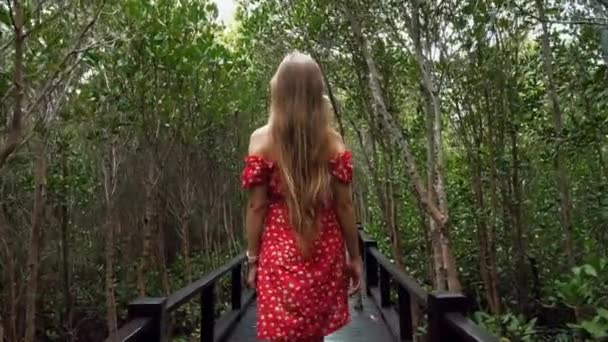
(336,142)
(259,141)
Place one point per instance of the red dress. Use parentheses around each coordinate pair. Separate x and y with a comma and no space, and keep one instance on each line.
(299,298)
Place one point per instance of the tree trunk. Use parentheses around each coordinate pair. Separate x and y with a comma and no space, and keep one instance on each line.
(15,130)
(111,316)
(381,194)
(394,133)
(494,208)
(162,259)
(604,43)
(397,139)
(185,236)
(565,213)
(425,229)
(510,186)
(161,252)
(205,233)
(471,129)
(65,248)
(370,160)
(183,212)
(35,241)
(148,227)
(227,228)
(504,184)
(391,214)
(9,320)
(435,158)
(334,102)
(109,169)
(482,225)
(14,311)
(519,243)
(440,275)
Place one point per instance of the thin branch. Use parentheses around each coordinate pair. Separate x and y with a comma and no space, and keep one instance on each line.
(584,21)
(41,25)
(603,2)
(8,92)
(15,142)
(9,145)
(75,50)
(40,3)
(590,21)
(11,14)
(37,124)
(6,45)
(51,85)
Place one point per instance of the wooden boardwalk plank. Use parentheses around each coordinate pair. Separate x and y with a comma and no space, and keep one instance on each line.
(366,326)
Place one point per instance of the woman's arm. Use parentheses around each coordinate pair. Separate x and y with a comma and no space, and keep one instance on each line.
(257,202)
(254,218)
(254,225)
(343,197)
(346,215)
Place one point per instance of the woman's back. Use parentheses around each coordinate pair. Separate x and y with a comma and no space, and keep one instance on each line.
(298,173)
(263,153)
(299,295)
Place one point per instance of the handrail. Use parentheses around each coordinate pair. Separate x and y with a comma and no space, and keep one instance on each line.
(177,299)
(132,329)
(149,317)
(399,276)
(446,311)
(364,237)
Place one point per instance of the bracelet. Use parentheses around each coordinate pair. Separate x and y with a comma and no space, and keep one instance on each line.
(251,259)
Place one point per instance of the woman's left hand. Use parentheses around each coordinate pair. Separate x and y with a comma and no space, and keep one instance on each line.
(252,275)
(354,269)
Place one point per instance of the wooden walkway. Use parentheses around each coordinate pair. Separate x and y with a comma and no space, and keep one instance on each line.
(387,287)
(366,326)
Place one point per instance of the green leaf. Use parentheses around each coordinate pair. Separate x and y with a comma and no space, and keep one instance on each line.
(589,270)
(595,329)
(4,17)
(603,313)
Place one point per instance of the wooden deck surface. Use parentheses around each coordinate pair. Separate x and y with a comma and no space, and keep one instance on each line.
(366,326)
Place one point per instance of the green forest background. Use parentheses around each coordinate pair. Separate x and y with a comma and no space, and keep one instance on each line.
(479,129)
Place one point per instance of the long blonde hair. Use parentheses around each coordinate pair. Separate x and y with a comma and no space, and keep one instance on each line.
(300,127)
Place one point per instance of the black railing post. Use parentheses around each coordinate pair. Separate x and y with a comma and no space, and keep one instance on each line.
(385,288)
(406,332)
(236,287)
(208,313)
(361,246)
(154,308)
(371,265)
(439,304)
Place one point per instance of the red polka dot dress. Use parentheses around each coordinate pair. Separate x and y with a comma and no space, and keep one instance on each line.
(299,298)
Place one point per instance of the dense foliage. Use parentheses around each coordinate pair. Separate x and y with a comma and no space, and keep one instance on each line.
(480,132)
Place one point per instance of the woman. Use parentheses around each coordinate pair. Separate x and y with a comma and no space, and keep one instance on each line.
(300,212)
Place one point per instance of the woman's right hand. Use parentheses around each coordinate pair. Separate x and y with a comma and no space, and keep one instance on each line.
(354,269)
(252,276)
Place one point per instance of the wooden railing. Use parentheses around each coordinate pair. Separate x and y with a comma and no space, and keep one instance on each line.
(446,312)
(149,317)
